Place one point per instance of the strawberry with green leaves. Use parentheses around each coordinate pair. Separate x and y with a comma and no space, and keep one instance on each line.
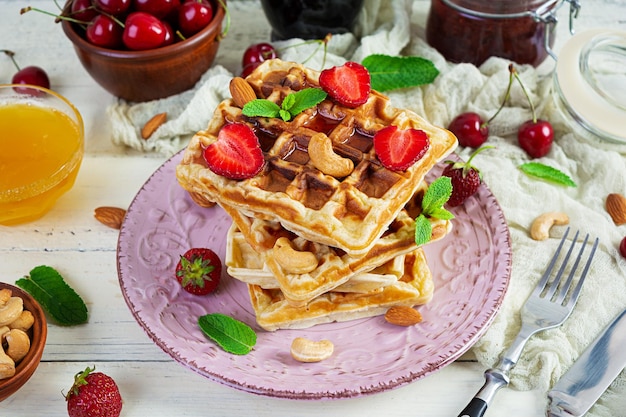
(93,394)
(199,271)
(466,179)
(236,154)
(348,84)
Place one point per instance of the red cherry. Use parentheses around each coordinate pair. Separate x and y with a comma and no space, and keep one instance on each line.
(157,8)
(170,36)
(535,137)
(83,10)
(143,31)
(113,7)
(254,55)
(105,32)
(28,75)
(469,129)
(622,247)
(193,16)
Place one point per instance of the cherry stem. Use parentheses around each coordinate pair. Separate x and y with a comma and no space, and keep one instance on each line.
(519,80)
(227,15)
(11,55)
(320,42)
(504,100)
(69,19)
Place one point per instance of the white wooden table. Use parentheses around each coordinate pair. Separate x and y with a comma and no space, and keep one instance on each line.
(72,241)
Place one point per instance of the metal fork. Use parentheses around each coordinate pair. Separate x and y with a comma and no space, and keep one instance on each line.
(544,309)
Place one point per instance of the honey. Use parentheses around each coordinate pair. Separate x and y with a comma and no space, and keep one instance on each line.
(42,149)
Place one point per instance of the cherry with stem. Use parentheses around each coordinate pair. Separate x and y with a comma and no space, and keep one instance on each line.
(31,75)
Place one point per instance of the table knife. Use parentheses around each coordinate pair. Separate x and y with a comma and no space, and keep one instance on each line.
(581,386)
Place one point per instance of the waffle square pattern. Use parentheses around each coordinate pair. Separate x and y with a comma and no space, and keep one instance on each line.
(349,212)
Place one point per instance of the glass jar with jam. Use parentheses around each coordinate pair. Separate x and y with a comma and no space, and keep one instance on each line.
(471,31)
(310,19)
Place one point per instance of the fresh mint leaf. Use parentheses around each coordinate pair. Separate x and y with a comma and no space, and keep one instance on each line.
(423,230)
(548,173)
(394,72)
(292,105)
(437,194)
(305,99)
(261,108)
(230,334)
(56,297)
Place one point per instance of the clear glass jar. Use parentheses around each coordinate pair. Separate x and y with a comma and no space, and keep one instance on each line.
(590,84)
(474,30)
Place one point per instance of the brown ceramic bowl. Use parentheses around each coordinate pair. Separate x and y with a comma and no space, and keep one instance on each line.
(38,333)
(152,74)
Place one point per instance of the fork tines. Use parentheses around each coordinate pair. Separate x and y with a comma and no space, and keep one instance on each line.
(557,284)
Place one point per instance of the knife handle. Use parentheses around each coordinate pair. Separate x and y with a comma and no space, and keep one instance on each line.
(494,380)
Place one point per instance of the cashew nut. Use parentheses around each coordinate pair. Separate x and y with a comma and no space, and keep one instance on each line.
(5,294)
(24,322)
(325,159)
(306,350)
(291,260)
(18,344)
(3,330)
(7,365)
(540,229)
(11,310)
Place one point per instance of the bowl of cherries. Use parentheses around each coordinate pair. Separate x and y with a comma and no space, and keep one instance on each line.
(141,50)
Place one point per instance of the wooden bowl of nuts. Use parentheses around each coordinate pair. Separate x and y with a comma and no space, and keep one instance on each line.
(23,332)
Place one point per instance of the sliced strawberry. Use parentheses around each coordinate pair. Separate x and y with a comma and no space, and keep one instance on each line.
(348,84)
(236,154)
(398,149)
(199,271)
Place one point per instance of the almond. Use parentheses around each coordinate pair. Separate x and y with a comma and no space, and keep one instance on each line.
(110,216)
(403,316)
(616,207)
(153,124)
(241,91)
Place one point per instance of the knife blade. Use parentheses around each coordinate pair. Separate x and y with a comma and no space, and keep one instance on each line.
(581,386)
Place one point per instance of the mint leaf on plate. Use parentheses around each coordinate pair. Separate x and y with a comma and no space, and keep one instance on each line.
(230,334)
(57,298)
(394,72)
(548,173)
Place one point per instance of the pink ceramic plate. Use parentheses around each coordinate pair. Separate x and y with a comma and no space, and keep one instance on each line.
(471,269)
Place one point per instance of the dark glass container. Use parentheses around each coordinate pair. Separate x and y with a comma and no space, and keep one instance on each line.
(310,19)
(474,30)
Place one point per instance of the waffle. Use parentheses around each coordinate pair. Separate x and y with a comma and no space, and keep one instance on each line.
(245,264)
(349,213)
(334,267)
(415,287)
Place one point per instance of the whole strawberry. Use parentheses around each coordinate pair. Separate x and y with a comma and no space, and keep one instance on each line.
(93,394)
(199,271)
(466,179)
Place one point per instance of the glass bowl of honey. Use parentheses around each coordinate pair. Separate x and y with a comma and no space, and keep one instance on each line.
(42,146)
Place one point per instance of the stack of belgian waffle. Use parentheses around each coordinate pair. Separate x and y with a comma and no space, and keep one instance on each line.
(314,245)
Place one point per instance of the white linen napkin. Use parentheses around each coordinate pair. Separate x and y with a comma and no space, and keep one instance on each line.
(597,167)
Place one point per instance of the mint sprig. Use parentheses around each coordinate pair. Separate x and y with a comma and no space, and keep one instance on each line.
(434,198)
(394,72)
(230,334)
(54,295)
(292,105)
(547,173)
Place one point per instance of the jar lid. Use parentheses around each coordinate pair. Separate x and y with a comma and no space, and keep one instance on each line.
(591,81)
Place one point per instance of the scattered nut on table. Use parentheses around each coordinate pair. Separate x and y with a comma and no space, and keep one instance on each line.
(540,229)
(306,350)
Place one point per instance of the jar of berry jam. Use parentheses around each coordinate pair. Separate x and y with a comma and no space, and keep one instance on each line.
(471,31)
(310,19)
